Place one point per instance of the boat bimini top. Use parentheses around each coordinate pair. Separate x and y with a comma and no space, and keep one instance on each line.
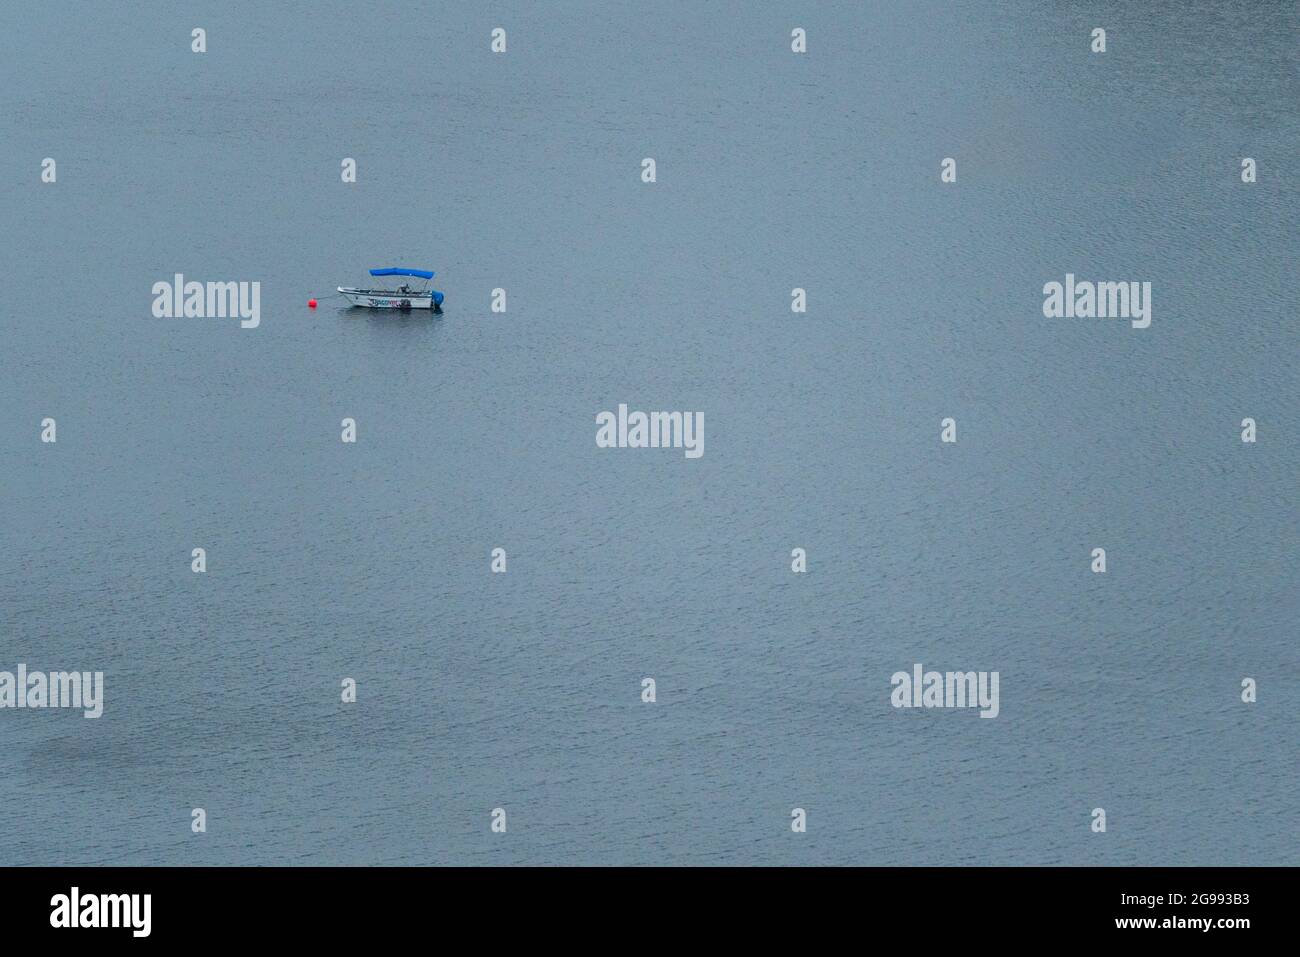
(391,271)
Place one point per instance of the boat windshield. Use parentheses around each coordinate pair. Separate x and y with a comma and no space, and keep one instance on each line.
(407,284)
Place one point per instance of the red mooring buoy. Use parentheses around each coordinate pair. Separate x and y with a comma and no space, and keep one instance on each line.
(311,303)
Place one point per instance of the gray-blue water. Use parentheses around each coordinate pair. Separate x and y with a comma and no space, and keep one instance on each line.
(476,430)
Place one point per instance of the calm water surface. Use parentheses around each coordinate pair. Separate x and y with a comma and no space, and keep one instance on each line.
(477,430)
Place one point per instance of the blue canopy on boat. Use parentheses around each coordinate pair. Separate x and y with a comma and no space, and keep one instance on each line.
(418,273)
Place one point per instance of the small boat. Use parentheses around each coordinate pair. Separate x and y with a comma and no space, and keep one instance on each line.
(403,297)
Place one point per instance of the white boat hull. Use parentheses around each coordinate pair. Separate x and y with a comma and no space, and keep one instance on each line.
(375,299)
